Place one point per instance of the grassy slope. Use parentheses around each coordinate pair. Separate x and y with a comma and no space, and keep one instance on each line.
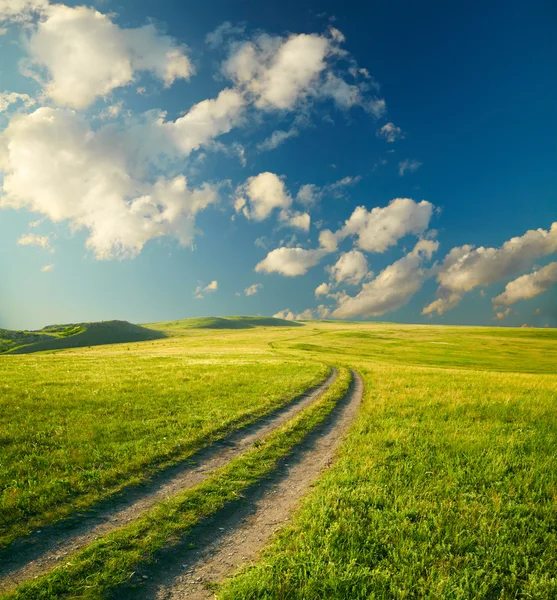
(447,486)
(76,426)
(59,337)
(221,323)
(113,559)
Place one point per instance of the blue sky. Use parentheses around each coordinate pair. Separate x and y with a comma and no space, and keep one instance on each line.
(377,161)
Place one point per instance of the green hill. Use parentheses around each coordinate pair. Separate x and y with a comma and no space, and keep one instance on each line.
(242,322)
(58,337)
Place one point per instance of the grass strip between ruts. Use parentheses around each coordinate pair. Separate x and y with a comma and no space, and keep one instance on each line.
(111,560)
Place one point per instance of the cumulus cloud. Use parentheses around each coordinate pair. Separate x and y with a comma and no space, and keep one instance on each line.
(54,164)
(263,193)
(382,228)
(306,315)
(351,268)
(253,289)
(297,220)
(466,267)
(260,195)
(205,121)
(390,132)
(291,262)
(322,289)
(310,194)
(279,73)
(201,289)
(20,10)
(30,239)
(410,166)
(85,55)
(502,314)
(9,98)
(392,288)
(528,286)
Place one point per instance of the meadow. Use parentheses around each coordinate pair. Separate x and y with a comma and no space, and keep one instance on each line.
(445,486)
(80,425)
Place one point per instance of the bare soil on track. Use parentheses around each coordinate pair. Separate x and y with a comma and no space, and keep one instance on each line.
(217,547)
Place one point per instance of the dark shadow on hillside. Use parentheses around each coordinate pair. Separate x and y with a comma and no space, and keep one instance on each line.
(91,334)
(241,322)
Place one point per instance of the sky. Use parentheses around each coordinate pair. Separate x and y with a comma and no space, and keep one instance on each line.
(387,161)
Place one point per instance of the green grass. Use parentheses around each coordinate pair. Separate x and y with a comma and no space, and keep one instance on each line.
(113,559)
(221,323)
(493,349)
(446,487)
(60,337)
(76,427)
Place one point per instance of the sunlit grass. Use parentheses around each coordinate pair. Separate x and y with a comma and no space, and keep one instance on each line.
(445,488)
(112,560)
(77,426)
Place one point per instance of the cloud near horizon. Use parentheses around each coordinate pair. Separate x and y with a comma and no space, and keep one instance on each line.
(466,267)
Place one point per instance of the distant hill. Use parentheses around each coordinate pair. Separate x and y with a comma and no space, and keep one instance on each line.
(223,323)
(58,337)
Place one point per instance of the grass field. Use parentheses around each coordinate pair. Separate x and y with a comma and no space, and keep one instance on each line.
(446,486)
(76,427)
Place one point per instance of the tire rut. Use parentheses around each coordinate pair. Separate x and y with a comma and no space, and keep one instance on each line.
(44,550)
(217,547)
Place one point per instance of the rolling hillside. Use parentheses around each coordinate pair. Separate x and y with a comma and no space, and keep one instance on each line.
(58,337)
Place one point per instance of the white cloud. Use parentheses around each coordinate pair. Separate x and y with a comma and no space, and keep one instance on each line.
(295,219)
(466,267)
(277,138)
(279,73)
(284,314)
(87,56)
(502,314)
(54,164)
(8,98)
(322,289)
(20,10)
(264,193)
(305,315)
(392,288)
(217,38)
(328,240)
(391,133)
(205,121)
(310,194)
(47,268)
(377,107)
(410,166)
(31,239)
(351,267)
(253,289)
(290,261)
(528,286)
(382,228)
(202,289)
